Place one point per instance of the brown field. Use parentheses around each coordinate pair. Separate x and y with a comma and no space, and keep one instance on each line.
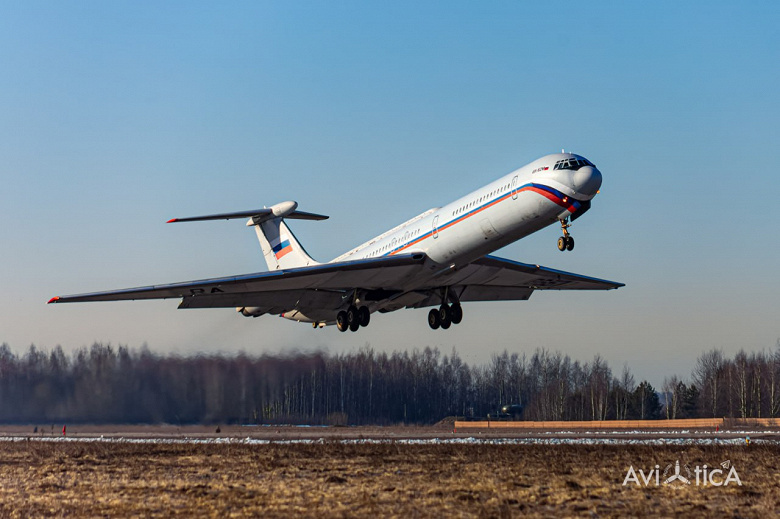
(389,479)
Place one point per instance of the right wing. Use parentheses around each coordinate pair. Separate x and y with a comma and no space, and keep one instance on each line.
(497,279)
(500,271)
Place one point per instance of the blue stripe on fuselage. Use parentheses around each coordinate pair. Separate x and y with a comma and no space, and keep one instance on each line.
(557,194)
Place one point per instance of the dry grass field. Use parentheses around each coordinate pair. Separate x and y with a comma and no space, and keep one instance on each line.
(390,479)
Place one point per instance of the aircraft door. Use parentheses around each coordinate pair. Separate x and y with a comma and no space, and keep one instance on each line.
(514,188)
(435,226)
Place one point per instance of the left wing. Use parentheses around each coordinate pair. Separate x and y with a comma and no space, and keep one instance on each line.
(374,273)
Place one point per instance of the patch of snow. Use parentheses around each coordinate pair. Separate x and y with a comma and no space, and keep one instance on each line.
(370,441)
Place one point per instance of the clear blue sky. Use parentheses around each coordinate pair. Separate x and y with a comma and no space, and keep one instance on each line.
(119,116)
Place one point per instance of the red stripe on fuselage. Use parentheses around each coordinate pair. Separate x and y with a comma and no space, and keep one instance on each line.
(551,197)
(546,194)
(457,220)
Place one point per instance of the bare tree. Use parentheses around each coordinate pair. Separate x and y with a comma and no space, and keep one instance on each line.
(672,390)
(707,375)
(773,380)
(623,387)
(598,388)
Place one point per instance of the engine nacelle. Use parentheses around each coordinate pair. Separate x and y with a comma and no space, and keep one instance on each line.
(250,311)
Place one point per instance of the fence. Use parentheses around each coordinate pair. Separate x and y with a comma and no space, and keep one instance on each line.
(695,423)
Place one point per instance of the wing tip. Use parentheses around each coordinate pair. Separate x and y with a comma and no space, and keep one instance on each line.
(53,300)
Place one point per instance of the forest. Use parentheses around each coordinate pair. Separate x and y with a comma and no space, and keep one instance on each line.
(108,384)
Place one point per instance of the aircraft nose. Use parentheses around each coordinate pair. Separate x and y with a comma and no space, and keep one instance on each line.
(587,180)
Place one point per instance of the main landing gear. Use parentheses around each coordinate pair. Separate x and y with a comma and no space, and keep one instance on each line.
(447,314)
(353,318)
(565,242)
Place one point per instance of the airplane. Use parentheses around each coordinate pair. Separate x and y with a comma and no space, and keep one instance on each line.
(440,258)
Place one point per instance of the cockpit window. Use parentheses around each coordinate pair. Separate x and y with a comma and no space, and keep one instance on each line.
(573,163)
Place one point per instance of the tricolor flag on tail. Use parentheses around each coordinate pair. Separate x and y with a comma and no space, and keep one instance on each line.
(281,246)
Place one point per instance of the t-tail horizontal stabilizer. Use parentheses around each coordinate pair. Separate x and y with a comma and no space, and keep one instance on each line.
(281,210)
(281,249)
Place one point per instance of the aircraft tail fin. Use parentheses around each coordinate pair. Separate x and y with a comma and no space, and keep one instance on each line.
(281,248)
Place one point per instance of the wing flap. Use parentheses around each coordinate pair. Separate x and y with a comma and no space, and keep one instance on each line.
(495,293)
(273,302)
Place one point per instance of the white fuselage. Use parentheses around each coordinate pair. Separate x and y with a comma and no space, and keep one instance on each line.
(493,216)
(546,191)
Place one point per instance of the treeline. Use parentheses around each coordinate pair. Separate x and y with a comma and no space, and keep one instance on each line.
(106,384)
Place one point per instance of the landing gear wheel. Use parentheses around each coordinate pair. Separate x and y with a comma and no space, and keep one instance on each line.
(562,243)
(352,315)
(353,318)
(457,313)
(341,321)
(445,315)
(364,315)
(569,243)
(434,321)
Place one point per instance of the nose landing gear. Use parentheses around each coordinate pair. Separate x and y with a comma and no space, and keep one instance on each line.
(565,242)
